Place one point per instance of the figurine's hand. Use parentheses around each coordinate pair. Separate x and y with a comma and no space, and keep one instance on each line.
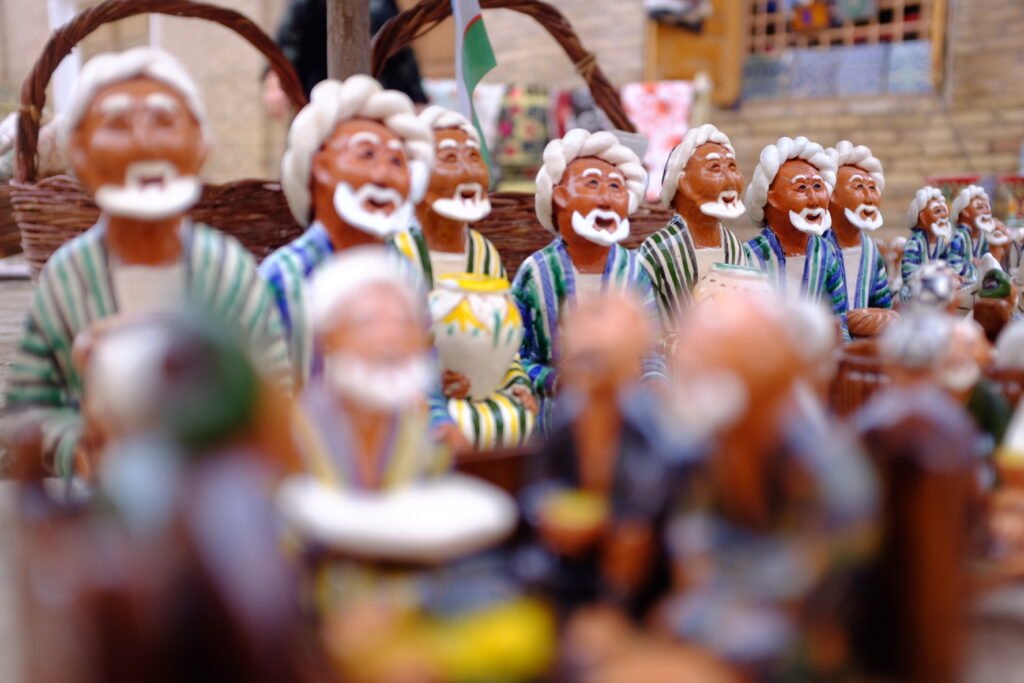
(627,554)
(452,437)
(526,397)
(274,99)
(455,385)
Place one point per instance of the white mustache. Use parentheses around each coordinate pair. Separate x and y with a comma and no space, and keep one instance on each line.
(381,386)
(985,223)
(728,205)
(459,208)
(586,227)
(152,190)
(862,223)
(805,221)
(942,228)
(351,206)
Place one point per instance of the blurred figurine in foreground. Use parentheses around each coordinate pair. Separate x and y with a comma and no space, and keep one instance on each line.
(788,197)
(609,471)
(763,554)
(703,184)
(856,213)
(357,161)
(587,188)
(136,136)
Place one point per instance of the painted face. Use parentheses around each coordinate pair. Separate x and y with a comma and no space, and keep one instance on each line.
(604,341)
(978,214)
(858,197)
(592,202)
(935,218)
(713,181)
(799,195)
(459,180)
(362,171)
(376,352)
(139,149)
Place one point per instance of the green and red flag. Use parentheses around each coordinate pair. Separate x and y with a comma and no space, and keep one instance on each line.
(474,57)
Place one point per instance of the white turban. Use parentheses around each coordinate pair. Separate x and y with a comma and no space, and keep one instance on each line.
(921,200)
(348,273)
(439,118)
(964,199)
(846,154)
(334,102)
(578,144)
(772,159)
(114,67)
(680,156)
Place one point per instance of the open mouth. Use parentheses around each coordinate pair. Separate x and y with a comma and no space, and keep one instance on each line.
(145,174)
(814,215)
(868,213)
(605,223)
(729,197)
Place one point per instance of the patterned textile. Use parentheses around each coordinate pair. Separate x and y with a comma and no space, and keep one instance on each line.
(75,290)
(487,101)
(910,67)
(544,286)
(661,112)
(766,76)
(482,257)
(918,252)
(975,249)
(870,287)
(861,69)
(324,439)
(670,259)
(522,131)
(814,73)
(856,10)
(576,109)
(823,270)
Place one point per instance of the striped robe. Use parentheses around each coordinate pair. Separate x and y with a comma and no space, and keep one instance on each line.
(670,259)
(482,257)
(544,285)
(323,436)
(972,251)
(287,271)
(870,287)
(919,252)
(500,420)
(75,290)
(823,270)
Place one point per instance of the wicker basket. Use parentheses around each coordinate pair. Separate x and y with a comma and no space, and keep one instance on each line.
(49,212)
(512,225)
(860,376)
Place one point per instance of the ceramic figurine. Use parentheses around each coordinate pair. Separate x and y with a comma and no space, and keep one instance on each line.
(455,199)
(973,213)
(467,276)
(931,237)
(702,184)
(357,161)
(723,278)
(788,197)
(1002,246)
(136,136)
(587,188)
(783,484)
(363,422)
(856,214)
(477,329)
(610,470)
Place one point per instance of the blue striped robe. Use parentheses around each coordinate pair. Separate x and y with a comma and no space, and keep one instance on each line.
(919,252)
(972,250)
(823,271)
(870,285)
(482,257)
(75,290)
(546,284)
(670,259)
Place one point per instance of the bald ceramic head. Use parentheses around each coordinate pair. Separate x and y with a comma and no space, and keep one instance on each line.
(604,340)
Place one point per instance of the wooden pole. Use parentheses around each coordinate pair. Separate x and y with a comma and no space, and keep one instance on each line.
(348,38)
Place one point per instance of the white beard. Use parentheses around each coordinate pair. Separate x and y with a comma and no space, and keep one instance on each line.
(942,229)
(150,201)
(726,207)
(802,223)
(998,239)
(385,387)
(466,210)
(862,223)
(585,227)
(349,204)
(985,223)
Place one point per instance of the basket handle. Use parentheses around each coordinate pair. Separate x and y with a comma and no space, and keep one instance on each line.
(403,29)
(65,38)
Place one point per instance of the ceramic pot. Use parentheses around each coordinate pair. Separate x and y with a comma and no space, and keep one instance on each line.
(477,329)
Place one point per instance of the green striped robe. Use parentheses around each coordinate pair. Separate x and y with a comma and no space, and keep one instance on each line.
(482,257)
(869,286)
(972,250)
(670,259)
(75,290)
(543,287)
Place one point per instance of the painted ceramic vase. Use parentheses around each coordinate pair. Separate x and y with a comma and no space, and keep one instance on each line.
(477,329)
(724,277)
